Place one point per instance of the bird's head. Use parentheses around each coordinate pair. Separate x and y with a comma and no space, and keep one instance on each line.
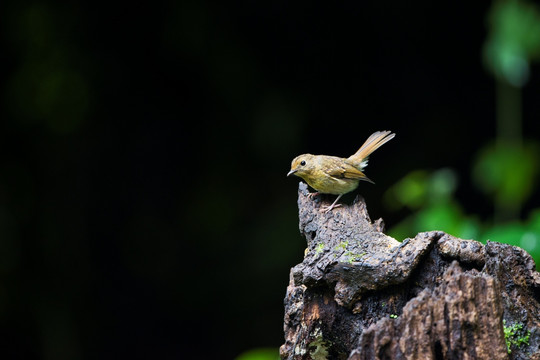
(302,166)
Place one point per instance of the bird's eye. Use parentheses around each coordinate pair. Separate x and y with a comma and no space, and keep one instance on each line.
(303,163)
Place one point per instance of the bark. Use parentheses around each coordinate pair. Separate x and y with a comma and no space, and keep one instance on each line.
(360,294)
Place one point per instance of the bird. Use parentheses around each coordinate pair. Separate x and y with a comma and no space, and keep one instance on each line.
(334,175)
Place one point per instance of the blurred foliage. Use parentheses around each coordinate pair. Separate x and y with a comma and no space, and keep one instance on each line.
(507,173)
(431,198)
(513,41)
(432,203)
(505,170)
(260,354)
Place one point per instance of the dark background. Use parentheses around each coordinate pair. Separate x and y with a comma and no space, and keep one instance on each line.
(144,208)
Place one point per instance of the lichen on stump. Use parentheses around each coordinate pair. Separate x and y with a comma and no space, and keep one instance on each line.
(360,294)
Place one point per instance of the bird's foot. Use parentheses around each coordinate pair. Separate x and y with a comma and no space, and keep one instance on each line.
(312,195)
(329,208)
(334,205)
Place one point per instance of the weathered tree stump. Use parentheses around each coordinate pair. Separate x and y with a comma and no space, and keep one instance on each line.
(360,294)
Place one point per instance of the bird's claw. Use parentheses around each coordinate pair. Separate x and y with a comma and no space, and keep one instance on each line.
(329,208)
(312,195)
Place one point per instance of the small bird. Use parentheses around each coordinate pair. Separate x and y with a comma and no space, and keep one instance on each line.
(335,175)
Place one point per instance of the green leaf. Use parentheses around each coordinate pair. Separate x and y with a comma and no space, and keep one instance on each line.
(409,191)
(513,40)
(510,233)
(506,172)
(419,187)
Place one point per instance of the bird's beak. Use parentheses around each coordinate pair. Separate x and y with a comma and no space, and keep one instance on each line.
(291,172)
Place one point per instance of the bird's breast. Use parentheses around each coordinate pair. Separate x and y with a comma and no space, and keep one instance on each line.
(327,184)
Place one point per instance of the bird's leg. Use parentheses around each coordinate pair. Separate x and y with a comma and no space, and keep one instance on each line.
(312,195)
(334,205)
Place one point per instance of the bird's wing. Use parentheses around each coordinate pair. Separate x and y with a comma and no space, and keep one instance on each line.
(342,170)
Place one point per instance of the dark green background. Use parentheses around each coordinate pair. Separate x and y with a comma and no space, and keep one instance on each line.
(144,208)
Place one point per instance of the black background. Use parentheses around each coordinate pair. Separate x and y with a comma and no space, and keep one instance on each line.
(153,218)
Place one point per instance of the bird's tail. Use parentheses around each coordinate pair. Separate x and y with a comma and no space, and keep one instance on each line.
(375,141)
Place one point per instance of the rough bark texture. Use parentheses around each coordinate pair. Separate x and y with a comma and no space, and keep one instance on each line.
(360,294)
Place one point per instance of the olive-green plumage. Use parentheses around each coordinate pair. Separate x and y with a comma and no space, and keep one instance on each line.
(335,175)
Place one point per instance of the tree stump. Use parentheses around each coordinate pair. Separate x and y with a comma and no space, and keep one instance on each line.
(360,294)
